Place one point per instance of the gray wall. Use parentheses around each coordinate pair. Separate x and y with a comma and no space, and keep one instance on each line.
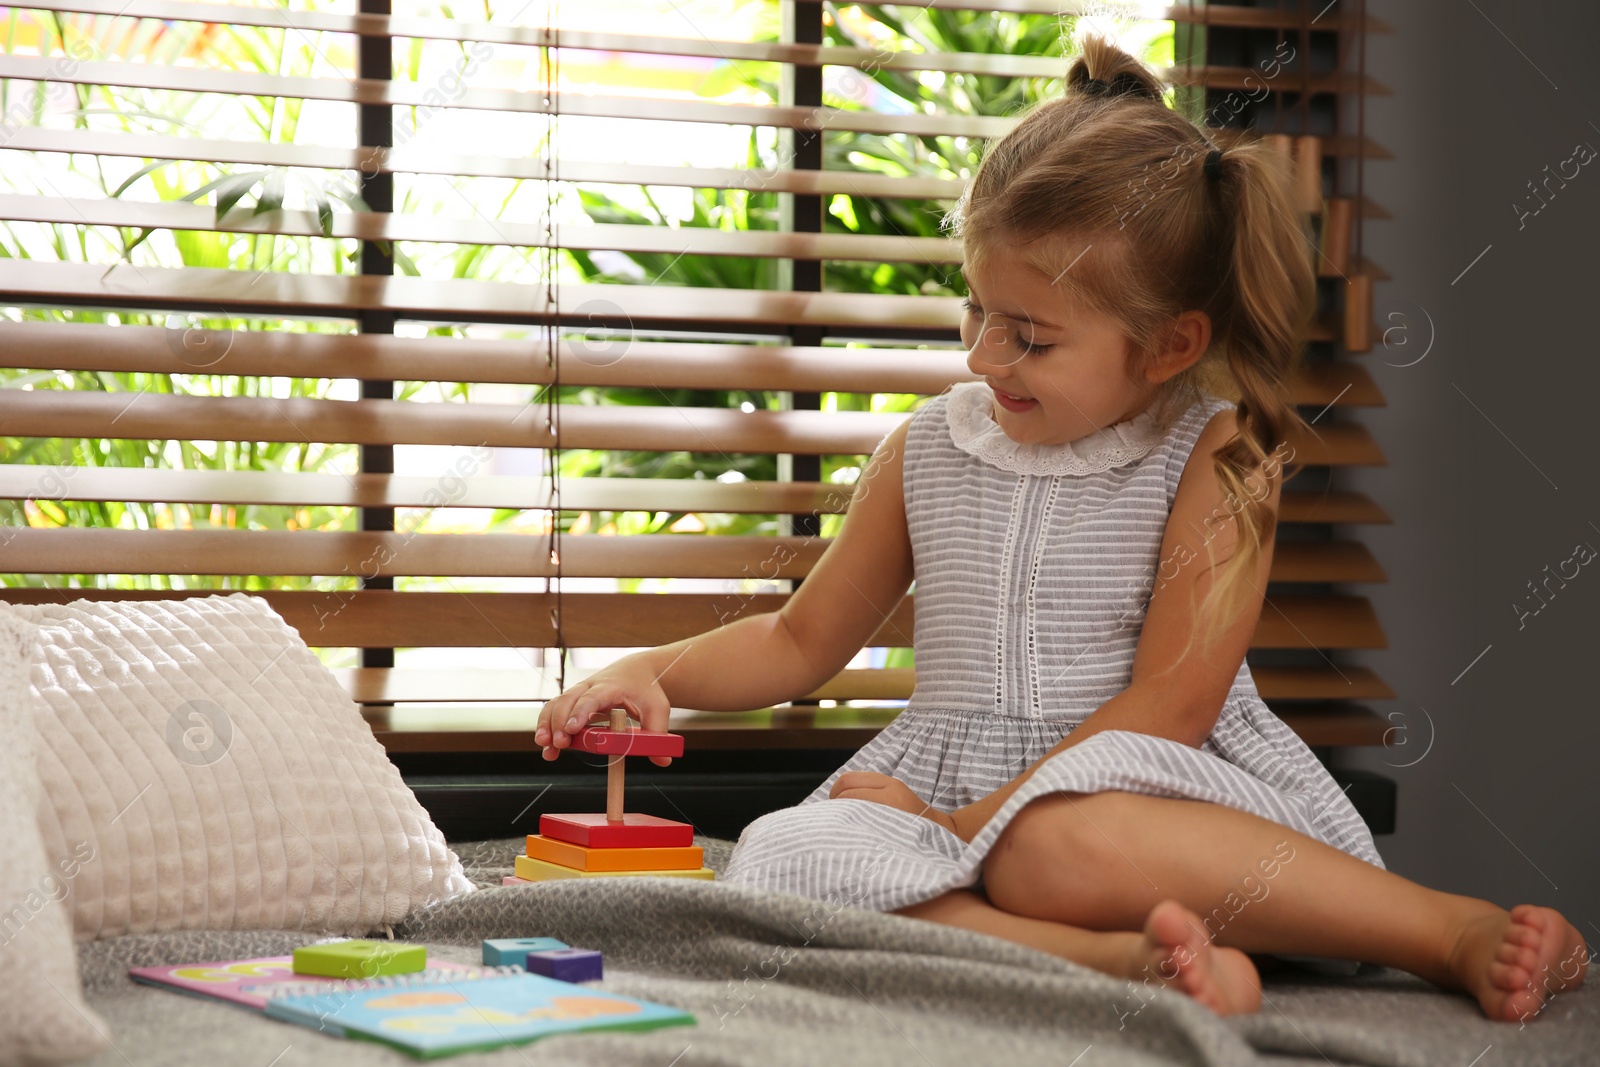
(1491,448)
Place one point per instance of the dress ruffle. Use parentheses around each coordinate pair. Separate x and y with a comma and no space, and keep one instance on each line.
(973,429)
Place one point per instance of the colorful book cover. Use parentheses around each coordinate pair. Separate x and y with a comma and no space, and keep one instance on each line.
(246,982)
(432,1016)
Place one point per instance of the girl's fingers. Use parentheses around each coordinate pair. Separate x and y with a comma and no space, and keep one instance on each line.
(554,711)
(597,701)
(655,712)
(551,730)
(858,780)
(656,715)
(572,718)
(575,709)
(541,730)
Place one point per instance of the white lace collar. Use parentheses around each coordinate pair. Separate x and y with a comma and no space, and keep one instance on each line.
(969,412)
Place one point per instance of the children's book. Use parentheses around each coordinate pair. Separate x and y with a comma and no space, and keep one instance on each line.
(246,982)
(438,1015)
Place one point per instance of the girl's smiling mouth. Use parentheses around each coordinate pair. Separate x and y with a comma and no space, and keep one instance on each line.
(1013,403)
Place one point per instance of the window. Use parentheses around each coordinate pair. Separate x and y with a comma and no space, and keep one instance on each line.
(486,345)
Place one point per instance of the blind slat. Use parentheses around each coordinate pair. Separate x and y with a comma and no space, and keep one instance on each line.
(501,729)
(413,160)
(1287,17)
(151,416)
(376,226)
(410,160)
(599,361)
(66,550)
(416,94)
(147,416)
(455,300)
(441,229)
(164,486)
(377,685)
(448,299)
(381,685)
(375,618)
(704,48)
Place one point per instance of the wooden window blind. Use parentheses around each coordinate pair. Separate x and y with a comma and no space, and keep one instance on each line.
(223,324)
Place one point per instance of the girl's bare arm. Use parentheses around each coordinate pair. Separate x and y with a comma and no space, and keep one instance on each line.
(773,657)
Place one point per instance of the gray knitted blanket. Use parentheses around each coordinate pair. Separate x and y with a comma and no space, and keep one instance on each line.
(776,979)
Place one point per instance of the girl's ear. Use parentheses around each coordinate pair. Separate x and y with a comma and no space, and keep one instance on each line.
(1191,336)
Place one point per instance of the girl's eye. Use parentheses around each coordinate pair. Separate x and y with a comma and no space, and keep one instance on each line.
(1028,347)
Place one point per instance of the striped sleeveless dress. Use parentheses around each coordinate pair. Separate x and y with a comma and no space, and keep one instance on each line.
(1033,564)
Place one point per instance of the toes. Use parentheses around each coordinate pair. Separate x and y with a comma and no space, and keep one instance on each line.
(1574,965)
(1505,976)
(1522,1006)
(1171,924)
(1222,979)
(1525,957)
(1524,934)
(1197,980)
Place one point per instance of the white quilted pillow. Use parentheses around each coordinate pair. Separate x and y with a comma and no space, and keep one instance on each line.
(221,774)
(42,1015)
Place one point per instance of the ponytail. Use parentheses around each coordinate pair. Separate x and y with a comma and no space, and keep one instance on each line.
(1263,307)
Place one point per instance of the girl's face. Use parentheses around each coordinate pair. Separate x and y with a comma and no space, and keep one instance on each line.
(1058,371)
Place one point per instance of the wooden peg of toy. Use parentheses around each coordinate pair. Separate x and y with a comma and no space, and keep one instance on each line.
(619,722)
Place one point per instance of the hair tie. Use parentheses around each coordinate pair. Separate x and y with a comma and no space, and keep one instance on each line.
(1124,83)
(1213,165)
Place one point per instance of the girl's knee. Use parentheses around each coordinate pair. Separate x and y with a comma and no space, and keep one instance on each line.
(1048,850)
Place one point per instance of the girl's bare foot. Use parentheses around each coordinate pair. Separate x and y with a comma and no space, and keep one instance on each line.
(1175,951)
(1513,961)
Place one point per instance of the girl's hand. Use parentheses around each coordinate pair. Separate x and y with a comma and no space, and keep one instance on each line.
(882,789)
(631,687)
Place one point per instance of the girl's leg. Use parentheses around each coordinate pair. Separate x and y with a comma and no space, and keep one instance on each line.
(1102,861)
(1171,950)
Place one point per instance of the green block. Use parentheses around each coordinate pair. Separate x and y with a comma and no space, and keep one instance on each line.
(360,959)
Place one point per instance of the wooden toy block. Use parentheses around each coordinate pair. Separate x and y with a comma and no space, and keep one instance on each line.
(543,870)
(512,879)
(587,858)
(565,964)
(360,959)
(591,828)
(507,951)
(604,741)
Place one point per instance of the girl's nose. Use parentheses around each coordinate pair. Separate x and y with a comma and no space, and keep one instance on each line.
(982,359)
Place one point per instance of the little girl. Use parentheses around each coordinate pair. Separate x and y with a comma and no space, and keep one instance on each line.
(1085,765)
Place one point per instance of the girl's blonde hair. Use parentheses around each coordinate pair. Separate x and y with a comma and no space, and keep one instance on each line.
(1105,190)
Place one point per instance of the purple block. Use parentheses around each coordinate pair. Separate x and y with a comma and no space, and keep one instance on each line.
(565,964)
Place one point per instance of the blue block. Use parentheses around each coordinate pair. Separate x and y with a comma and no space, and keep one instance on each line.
(504,953)
(565,964)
